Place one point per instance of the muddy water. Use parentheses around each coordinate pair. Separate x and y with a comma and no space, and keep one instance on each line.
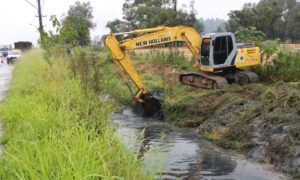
(185,154)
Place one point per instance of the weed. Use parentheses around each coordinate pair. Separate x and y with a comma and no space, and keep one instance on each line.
(285,67)
(292,101)
(174,59)
(208,136)
(269,96)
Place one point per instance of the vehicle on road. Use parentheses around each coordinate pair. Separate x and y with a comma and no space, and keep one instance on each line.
(13,55)
(4,51)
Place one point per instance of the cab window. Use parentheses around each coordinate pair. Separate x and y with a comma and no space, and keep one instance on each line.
(223,46)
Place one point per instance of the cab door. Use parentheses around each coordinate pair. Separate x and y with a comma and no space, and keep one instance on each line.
(224,50)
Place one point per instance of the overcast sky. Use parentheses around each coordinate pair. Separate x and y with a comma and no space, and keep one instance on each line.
(18,21)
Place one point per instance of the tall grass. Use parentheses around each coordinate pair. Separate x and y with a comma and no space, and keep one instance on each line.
(173,59)
(56,129)
(284,67)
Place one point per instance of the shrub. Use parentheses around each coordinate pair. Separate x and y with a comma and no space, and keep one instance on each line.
(284,67)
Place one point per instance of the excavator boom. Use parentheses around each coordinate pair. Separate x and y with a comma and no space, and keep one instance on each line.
(146,38)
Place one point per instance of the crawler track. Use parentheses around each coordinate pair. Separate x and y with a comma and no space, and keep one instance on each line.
(212,81)
(203,80)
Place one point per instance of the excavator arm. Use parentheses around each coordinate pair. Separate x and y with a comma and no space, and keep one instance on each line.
(146,38)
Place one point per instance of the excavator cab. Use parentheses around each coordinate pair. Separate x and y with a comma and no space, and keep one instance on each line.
(221,60)
(218,50)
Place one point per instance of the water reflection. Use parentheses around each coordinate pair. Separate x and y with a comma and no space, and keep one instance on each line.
(216,165)
(187,155)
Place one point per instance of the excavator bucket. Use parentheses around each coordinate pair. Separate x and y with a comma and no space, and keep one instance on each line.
(152,105)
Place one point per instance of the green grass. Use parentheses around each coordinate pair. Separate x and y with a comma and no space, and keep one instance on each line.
(173,59)
(56,129)
(284,67)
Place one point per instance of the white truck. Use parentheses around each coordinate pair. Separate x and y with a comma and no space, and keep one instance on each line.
(12,55)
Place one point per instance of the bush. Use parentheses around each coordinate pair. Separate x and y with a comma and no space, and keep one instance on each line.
(284,67)
(249,35)
(269,48)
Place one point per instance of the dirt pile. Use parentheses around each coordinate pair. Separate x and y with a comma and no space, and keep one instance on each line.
(263,121)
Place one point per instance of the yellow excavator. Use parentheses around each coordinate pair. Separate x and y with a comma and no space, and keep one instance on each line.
(217,55)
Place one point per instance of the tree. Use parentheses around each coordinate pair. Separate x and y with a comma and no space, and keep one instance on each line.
(213,25)
(175,5)
(147,13)
(199,26)
(268,16)
(242,18)
(220,29)
(118,26)
(76,25)
(140,14)
(293,25)
(249,35)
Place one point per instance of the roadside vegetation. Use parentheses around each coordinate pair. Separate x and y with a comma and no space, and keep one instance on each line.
(57,126)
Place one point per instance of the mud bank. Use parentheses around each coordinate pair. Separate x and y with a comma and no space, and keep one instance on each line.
(262,121)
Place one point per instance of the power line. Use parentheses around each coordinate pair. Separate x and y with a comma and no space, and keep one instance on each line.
(31,4)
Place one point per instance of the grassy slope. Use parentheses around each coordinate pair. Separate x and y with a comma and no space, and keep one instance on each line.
(50,128)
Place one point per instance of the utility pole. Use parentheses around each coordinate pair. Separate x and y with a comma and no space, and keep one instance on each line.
(40,16)
(175,5)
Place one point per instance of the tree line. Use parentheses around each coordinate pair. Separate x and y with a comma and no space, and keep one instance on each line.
(271,19)
(275,18)
(140,14)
